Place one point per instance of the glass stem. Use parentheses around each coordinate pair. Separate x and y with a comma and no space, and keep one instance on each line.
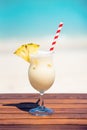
(41,100)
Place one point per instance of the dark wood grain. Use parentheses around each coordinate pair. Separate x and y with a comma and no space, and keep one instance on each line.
(70,112)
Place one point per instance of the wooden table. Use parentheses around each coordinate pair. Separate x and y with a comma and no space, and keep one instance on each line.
(70,112)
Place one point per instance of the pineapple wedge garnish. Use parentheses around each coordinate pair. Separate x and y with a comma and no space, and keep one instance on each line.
(25,50)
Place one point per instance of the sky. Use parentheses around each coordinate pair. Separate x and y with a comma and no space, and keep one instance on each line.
(38,18)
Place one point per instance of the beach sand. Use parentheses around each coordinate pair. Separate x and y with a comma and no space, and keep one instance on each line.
(70,67)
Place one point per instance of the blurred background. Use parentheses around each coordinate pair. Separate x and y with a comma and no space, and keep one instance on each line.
(26,21)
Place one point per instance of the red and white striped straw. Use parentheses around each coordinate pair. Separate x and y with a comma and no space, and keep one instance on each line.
(56,36)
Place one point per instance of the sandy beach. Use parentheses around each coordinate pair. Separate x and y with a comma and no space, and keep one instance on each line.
(70,66)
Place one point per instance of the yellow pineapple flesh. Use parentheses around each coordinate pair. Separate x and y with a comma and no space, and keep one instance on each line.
(25,50)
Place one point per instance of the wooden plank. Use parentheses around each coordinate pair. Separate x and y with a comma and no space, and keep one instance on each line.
(48,96)
(53,116)
(44,121)
(54,106)
(67,105)
(43,127)
(56,110)
(53,101)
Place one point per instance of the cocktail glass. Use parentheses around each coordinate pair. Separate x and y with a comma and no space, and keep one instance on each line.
(41,76)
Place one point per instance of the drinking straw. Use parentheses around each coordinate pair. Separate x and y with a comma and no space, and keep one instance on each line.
(56,36)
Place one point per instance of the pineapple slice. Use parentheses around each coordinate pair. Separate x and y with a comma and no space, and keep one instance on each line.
(25,50)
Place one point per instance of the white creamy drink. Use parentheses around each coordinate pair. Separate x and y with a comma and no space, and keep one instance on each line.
(41,71)
(41,74)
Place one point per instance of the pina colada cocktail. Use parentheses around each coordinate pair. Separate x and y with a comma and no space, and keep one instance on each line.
(41,71)
(41,76)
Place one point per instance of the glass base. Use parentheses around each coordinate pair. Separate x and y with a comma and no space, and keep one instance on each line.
(41,111)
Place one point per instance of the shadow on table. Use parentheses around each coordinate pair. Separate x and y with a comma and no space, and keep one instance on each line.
(25,106)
